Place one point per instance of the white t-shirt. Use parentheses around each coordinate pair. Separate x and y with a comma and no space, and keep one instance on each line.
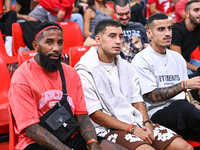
(152,72)
(113,94)
(111,71)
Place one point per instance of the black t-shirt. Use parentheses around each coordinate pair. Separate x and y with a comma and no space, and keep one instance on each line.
(137,14)
(188,41)
(25,9)
(134,38)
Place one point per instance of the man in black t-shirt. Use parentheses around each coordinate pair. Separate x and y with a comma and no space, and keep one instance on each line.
(134,33)
(186,35)
(23,8)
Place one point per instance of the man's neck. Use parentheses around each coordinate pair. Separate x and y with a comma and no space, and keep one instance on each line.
(159,49)
(104,58)
(190,26)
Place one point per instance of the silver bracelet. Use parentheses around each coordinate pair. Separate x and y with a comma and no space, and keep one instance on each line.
(194,101)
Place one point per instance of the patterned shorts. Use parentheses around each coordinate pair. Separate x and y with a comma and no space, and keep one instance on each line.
(163,137)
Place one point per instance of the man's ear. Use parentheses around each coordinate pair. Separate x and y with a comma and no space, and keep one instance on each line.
(35,46)
(98,39)
(149,34)
(187,14)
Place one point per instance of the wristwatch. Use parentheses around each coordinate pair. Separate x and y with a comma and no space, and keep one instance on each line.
(149,121)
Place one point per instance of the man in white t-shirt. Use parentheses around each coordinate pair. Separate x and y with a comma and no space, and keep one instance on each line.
(113,99)
(163,81)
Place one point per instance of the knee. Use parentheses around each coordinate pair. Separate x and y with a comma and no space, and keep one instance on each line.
(12,14)
(184,146)
(78,17)
(144,147)
(188,147)
(29,18)
(179,144)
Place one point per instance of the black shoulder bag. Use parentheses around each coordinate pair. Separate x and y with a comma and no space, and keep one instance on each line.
(60,120)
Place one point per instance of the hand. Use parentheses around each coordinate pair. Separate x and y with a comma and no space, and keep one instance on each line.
(145,134)
(196,105)
(60,15)
(193,83)
(25,17)
(149,127)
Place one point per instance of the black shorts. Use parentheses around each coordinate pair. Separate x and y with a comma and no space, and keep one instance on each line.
(181,117)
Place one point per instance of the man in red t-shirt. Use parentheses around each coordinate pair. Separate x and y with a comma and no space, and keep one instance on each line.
(180,10)
(163,6)
(36,87)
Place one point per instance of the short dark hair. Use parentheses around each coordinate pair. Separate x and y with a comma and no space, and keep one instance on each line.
(121,3)
(91,2)
(101,25)
(187,5)
(156,16)
(45,24)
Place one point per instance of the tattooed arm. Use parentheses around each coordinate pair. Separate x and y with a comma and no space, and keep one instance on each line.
(44,138)
(165,93)
(161,94)
(87,129)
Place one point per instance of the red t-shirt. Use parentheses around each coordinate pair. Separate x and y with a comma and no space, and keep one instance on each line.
(53,6)
(162,5)
(34,91)
(180,9)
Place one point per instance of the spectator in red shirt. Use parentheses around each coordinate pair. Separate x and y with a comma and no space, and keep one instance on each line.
(163,6)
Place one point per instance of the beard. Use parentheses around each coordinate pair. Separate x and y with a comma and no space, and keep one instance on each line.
(49,64)
(193,20)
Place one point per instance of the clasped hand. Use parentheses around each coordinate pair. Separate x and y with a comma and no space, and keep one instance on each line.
(145,133)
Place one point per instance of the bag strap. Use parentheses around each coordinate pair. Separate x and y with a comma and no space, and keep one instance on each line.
(64,96)
(63,81)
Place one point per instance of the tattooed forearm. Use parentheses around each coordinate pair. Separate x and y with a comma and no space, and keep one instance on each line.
(44,138)
(87,129)
(165,93)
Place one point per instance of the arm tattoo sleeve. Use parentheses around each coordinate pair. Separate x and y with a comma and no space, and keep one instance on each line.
(86,128)
(165,93)
(44,138)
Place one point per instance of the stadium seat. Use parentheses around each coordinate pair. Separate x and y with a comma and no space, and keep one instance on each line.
(4,87)
(25,55)
(1,7)
(194,143)
(18,40)
(195,54)
(3,54)
(72,35)
(75,54)
(12,136)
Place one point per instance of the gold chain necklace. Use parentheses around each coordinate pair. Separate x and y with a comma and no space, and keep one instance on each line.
(108,70)
(163,60)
